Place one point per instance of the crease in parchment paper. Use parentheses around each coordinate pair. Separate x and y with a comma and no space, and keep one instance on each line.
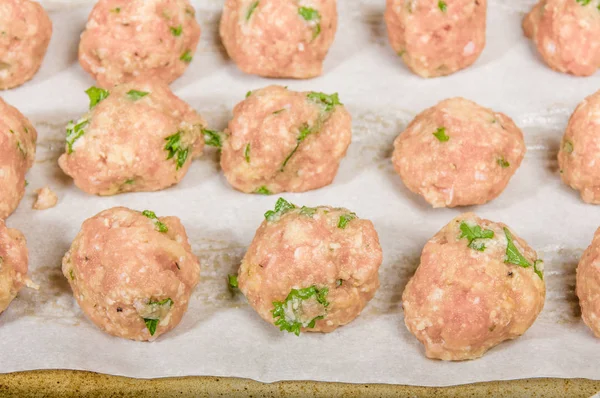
(221,335)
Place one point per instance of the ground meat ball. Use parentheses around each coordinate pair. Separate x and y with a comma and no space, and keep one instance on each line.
(567,34)
(274,38)
(579,153)
(478,284)
(138,137)
(132,273)
(458,153)
(437,38)
(281,140)
(25,34)
(311,269)
(588,285)
(17,153)
(129,39)
(13,264)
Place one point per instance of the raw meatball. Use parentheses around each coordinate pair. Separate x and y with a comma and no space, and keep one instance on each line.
(137,137)
(458,153)
(274,38)
(129,39)
(13,264)
(579,153)
(478,284)
(437,38)
(132,273)
(567,34)
(588,285)
(311,269)
(26,31)
(17,153)
(280,140)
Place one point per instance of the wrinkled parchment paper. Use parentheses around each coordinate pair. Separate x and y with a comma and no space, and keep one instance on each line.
(220,334)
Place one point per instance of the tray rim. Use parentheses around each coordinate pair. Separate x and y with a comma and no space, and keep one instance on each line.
(65,383)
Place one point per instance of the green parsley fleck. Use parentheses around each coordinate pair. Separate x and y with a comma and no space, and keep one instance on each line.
(116,10)
(568,147)
(311,15)
(187,57)
(474,234)
(584,2)
(176,31)
(249,93)
(130,181)
(251,10)
(72,274)
(440,134)
(339,282)
(281,207)
(345,219)
(401,53)
(135,95)
(263,191)
(213,138)
(289,311)
(26,183)
(329,101)
(513,256)
(247,153)
(151,325)
(442,6)
(279,111)
(176,150)
(75,132)
(232,280)
(96,95)
(538,268)
(20,148)
(503,163)
(160,227)
(308,211)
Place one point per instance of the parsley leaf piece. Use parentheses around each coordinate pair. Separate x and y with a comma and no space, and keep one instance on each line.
(502,162)
(160,227)
(513,256)
(251,10)
(135,95)
(584,2)
(166,301)
(339,282)
(249,93)
(75,132)
(247,153)
(537,269)
(289,311)
(176,31)
(304,132)
(96,95)
(151,325)
(442,6)
(310,14)
(345,219)
(440,134)
(187,57)
(279,111)
(175,149)
(329,101)
(232,280)
(212,138)
(263,191)
(281,207)
(308,211)
(568,147)
(72,274)
(474,234)
(116,10)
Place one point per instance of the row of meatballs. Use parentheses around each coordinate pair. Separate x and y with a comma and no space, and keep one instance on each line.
(129,39)
(141,137)
(310,269)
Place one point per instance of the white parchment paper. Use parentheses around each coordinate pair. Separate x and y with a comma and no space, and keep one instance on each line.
(221,335)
